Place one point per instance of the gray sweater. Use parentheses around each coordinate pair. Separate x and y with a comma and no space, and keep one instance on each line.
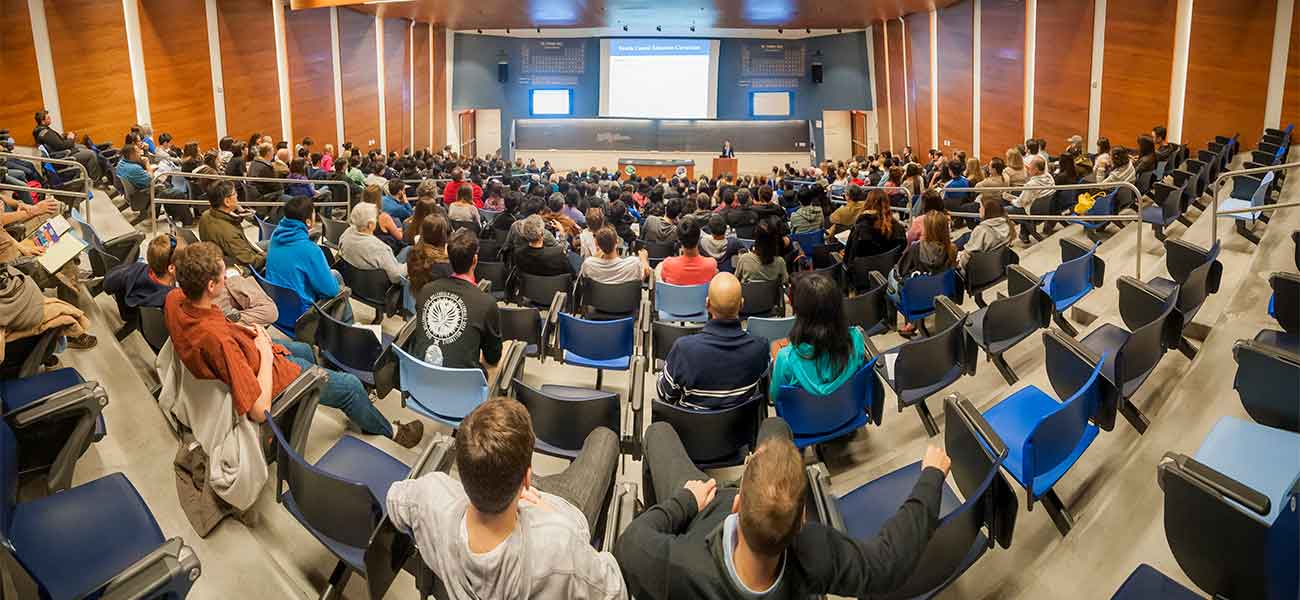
(369,252)
(549,555)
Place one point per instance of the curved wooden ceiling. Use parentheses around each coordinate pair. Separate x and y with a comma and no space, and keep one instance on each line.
(641,15)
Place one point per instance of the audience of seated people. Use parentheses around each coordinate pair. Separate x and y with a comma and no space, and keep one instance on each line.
(822,352)
(690,267)
(294,261)
(459,324)
(359,247)
(691,376)
(223,225)
(607,267)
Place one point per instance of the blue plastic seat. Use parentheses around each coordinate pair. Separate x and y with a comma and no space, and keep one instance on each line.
(439,393)
(1166,207)
(288,304)
(1045,437)
(264,228)
(681,302)
(1146,583)
(809,241)
(74,543)
(916,294)
(1080,272)
(599,345)
(1105,206)
(1263,458)
(772,329)
(815,419)
(1247,192)
(17,393)
(563,416)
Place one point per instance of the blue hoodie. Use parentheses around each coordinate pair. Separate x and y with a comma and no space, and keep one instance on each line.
(296,262)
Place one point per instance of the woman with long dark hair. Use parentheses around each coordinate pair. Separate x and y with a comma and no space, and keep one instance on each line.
(876,231)
(823,353)
(763,262)
(1146,160)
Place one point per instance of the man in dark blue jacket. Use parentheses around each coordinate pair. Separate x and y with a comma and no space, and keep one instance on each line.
(692,375)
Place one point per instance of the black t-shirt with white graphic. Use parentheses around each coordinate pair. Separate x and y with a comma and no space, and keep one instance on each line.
(457,321)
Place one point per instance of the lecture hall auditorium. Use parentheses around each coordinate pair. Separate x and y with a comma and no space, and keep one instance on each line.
(607,299)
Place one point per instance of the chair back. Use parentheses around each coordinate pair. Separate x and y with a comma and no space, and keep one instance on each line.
(492,271)
(541,290)
(681,302)
(1144,181)
(1155,327)
(1266,381)
(1260,196)
(1058,434)
(760,298)
(369,286)
(926,365)
(8,480)
(288,304)
(871,311)
(1284,304)
(336,508)
(659,250)
(609,301)
(986,269)
(153,327)
(917,293)
(489,250)
(808,241)
(859,270)
(597,340)
(715,438)
(470,225)
(264,228)
(354,348)
(440,393)
(834,271)
(1195,288)
(523,324)
(1073,279)
(488,216)
(771,329)
(1017,316)
(562,421)
(187,235)
(333,229)
(664,335)
(838,413)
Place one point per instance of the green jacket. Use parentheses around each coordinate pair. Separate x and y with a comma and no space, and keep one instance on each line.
(794,367)
(227,232)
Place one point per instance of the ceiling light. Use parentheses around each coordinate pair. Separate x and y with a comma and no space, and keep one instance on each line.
(480,31)
(659,28)
(625,28)
(539,30)
(807,31)
(692,29)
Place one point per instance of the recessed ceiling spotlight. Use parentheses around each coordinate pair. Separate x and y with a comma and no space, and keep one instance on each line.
(659,28)
(625,28)
(780,31)
(539,30)
(692,29)
(480,31)
(807,31)
(507,31)
(839,30)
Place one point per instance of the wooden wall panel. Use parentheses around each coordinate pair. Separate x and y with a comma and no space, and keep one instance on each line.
(250,83)
(357,55)
(22,80)
(397,83)
(1064,70)
(956,47)
(311,75)
(920,83)
(1227,69)
(88,39)
(897,85)
(440,101)
(174,38)
(1002,76)
(420,99)
(882,100)
(1136,69)
(1291,89)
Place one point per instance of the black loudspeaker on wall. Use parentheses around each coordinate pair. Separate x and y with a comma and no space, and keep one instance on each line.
(503,72)
(817,72)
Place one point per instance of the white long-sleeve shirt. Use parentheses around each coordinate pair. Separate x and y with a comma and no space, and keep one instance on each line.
(1027,197)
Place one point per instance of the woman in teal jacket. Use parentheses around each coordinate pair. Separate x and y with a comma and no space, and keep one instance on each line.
(823,352)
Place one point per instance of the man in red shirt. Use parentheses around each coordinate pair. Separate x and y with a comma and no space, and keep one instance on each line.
(244,357)
(689,268)
(449,192)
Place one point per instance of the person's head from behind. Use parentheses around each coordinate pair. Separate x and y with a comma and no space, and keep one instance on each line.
(935,228)
(956,168)
(807,196)
(1120,157)
(857,193)
(465,195)
(595,218)
(765,194)
(724,300)
(991,208)
(1031,146)
(533,231)
(434,230)
(1160,134)
(607,242)
(688,234)
(300,208)
(717,226)
(1034,165)
(200,271)
(819,320)
(767,239)
(555,203)
(771,499)
(298,166)
(161,256)
(373,194)
(1146,146)
(222,196)
(494,450)
(878,204)
(397,188)
(673,208)
(1103,145)
(462,251)
(265,150)
(932,201)
(363,218)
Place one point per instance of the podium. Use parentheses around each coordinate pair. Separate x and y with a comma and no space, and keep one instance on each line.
(725,166)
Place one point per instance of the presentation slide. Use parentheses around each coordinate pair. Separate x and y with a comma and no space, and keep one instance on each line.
(659,78)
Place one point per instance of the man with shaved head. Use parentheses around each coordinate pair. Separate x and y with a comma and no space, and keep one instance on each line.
(720,366)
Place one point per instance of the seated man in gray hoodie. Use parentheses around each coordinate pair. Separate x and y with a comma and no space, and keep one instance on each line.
(361,249)
(500,532)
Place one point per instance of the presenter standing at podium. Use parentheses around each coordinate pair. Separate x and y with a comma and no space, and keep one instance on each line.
(727,150)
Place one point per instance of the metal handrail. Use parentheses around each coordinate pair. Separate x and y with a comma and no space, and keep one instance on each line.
(85,175)
(154,200)
(1214,206)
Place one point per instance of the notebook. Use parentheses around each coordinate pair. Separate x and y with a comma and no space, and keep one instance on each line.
(60,244)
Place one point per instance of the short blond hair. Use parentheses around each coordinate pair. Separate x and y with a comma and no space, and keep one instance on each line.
(772,497)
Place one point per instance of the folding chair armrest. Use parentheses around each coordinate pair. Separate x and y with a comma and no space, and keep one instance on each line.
(1072,249)
(149,577)
(512,360)
(1139,303)
(301,396)
(1019,279)
(436,458)
(876,279)
(946,313)
(636,395)
(1216,483)
(485,285)
(123,247)
(1182,257)
(966,410)
(549,326)
(819,491)
(83,402)
(620,513)
(870,348)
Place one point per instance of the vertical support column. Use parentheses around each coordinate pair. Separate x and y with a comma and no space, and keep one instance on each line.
(135,58)
(934,78)
(45,62)
(1178,79)
(869,36)
(1277,67)
(214,64)
(1098,57)
(1031,63)
(453,128)
(907,106)
(977,47)
(379,69)
(889,96)
(338,78)
(433,111)
(282,71)
(410,81)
